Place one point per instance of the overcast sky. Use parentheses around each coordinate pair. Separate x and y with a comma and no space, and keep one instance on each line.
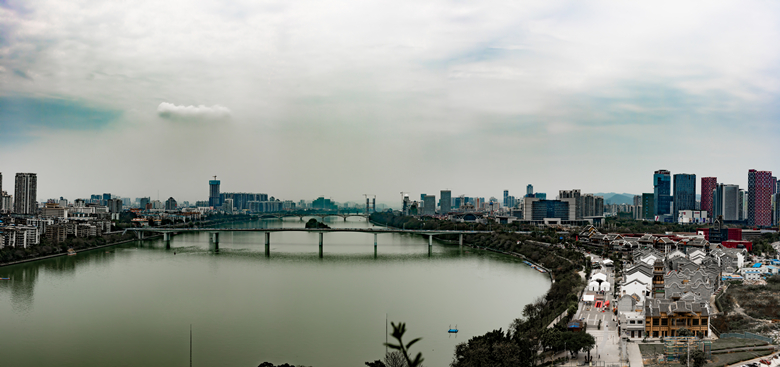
(299,99)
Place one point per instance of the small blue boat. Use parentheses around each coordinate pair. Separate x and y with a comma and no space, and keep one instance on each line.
(453,331)
(5,278)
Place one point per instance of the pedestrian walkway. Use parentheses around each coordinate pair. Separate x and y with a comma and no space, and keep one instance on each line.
(634,355)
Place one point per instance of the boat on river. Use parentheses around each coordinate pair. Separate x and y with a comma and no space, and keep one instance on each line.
(534,266)
(71,252)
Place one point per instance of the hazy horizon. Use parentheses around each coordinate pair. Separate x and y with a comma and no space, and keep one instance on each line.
(345,98)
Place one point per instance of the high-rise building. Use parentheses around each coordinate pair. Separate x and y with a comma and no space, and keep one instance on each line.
(759,198)
(648,206)
(662,192)
(143,203)
(725,202)
(170,204)
(573,194)
(106,197)
(241,199)
(529,190)
(214,198)
(707,187)
(506,197)
(429,207)
(1,188)
(742,205)
(599,209)
(446,201)
(6,204)
(26,191)
(684,193)
(115,205)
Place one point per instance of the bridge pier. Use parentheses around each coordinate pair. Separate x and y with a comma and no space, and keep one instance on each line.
(167,236)
(460,241)
(267,243)
(374,240)
(430,240)
(214,240)
(321,234)
(139,235)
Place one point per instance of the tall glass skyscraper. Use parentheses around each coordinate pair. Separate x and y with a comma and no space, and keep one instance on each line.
(446,201)
(662,192)
(684,193)
(214,199)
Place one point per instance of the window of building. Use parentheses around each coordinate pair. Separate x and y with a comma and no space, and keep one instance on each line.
(695,322)
(640,322)
(632,322)
(655,334)
(664,322)
(655,322)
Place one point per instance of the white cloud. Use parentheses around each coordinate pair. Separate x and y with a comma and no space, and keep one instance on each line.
(174,112)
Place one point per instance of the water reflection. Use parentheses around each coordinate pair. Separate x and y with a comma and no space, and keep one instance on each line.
(248,306)
(20,286)
(23,277)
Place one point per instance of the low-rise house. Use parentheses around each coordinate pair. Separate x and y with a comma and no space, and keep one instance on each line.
(641,272)
(751,273)
(632,324)
(664,317)
(635,287)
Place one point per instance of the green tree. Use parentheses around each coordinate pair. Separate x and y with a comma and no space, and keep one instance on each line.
(684,332)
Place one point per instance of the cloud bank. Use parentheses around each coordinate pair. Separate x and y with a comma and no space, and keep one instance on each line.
(200,112)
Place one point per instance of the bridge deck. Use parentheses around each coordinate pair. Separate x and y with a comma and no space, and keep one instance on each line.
(358,230)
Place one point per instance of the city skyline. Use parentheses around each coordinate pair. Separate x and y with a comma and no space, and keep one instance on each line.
(215,189)
(385,97)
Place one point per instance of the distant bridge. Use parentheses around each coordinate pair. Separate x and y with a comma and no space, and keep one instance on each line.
(214,233)
(318,215)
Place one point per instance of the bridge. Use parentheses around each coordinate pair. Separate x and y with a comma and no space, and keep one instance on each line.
(168,233)
(318,215)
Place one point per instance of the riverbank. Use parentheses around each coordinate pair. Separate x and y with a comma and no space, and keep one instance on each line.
(81,250)
(64,251)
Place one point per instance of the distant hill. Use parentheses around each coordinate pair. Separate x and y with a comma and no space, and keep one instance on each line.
(615,198)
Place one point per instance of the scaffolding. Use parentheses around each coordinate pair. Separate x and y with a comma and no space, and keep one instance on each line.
(674,347)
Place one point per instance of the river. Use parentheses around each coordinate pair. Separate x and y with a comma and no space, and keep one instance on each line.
(133,304)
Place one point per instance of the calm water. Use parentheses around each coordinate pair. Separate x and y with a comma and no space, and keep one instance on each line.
(132,305)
